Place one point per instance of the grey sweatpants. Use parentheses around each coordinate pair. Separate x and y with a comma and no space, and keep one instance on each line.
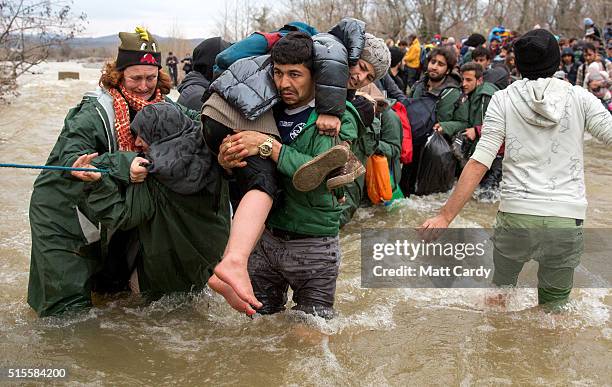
(310,266)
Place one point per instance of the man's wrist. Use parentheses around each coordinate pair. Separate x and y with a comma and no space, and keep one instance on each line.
(266,147)
(276,150)
(445,213)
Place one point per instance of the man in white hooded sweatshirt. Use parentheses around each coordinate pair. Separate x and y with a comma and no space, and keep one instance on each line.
(541,120)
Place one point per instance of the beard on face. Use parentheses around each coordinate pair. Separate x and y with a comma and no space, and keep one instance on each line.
(437,78)
(351,83)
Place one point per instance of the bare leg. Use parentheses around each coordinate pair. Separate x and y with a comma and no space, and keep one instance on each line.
(230,296)
(134,286)
(246,230)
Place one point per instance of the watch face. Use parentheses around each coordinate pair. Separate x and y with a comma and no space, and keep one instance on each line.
(265,149)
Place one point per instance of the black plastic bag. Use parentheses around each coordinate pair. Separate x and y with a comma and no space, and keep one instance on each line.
(436,167)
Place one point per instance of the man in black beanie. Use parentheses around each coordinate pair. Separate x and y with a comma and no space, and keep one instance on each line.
(537,54)
(397,54)
(541,120)
(473,41)
(197,81)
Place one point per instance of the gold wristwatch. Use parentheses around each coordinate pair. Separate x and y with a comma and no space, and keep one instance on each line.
(265,149)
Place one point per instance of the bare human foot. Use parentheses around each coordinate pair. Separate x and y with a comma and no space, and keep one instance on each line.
(230,295)
(234,273)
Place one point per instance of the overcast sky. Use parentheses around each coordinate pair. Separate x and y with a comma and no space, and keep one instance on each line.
(192,18)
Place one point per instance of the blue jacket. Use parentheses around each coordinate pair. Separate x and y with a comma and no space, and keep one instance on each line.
(258,43)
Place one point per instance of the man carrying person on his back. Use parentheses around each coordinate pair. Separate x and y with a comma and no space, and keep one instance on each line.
(541,120)
(300,246)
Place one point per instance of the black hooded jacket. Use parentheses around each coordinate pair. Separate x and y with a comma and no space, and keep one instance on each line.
(197,81)
(498,75)
(178,155)
(192,88)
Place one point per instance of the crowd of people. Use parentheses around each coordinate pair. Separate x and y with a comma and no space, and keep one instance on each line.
(244,183)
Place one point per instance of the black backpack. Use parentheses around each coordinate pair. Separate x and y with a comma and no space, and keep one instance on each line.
(422,115)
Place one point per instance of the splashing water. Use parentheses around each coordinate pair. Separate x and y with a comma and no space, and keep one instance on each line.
(380,337)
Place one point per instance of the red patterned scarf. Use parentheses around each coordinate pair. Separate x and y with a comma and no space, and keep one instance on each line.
(121,99)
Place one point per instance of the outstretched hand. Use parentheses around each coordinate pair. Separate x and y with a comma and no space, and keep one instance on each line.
(432,228)
(84,161)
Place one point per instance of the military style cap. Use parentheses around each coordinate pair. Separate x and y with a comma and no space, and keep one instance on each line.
(138,48)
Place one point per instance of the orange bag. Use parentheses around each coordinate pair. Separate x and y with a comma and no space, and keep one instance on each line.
(378,179)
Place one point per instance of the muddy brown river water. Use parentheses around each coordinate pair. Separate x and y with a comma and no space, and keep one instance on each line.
(382,336)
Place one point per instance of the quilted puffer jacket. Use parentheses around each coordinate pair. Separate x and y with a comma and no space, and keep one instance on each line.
(333,53)
(248,85)
(351,32)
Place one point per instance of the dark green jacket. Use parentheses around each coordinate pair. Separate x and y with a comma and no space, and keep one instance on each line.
(365,146)
(451,111)
(467,57)
(478,103)
(315,212)
(381,136)
(390,141)
(68,248)
(182,237)
(387,134)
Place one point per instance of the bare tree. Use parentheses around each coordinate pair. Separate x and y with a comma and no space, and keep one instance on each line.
(323,14)
(28,30)
(396,15)
(263,20)
(237,20)
(397,18)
